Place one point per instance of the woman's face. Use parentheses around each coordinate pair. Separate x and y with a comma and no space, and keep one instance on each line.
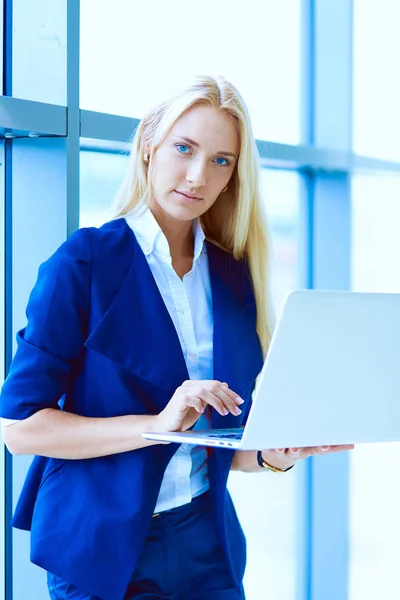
(195,162)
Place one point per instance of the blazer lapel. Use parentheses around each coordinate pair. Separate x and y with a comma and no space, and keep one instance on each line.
(137,331)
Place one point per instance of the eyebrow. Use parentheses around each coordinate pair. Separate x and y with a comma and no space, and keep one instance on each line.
(190,141)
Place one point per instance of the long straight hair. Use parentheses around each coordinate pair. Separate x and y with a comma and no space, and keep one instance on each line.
(236,221)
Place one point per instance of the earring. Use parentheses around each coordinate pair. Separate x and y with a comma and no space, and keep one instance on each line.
(224,190)
(146,157)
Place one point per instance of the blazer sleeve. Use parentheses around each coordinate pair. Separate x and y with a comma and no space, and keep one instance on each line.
(51,345)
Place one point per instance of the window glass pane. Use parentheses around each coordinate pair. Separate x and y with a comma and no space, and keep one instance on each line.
(101,176)
(2,364)
(257,47)
(267,505)
(374,490)
(267,509)
(39,50)
(375,233)
(1,49)
(376,115)
(281,191)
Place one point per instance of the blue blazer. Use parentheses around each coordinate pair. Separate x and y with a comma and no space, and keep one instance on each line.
(100,342)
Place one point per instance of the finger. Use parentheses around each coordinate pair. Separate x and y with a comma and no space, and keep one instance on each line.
(215,393)
(207,397)
(233,395)
(230,403)
(201,406)
(196,403)
(311,451)
(341,448)
(213,385)
(221,402)
(295,452)
(323,449)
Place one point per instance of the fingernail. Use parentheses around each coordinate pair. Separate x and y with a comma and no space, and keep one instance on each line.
(294,450)
(238,411)
(280,450)
(226,412)
(325,448)
(239,400)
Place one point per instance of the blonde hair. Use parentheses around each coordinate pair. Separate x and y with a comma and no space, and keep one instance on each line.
(236,221)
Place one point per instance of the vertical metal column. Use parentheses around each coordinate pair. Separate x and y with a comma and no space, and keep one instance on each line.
(7,156)
(73,115)
(2,372)
(326,200)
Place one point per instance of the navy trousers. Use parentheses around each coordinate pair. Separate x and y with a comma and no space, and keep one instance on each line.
(181,560)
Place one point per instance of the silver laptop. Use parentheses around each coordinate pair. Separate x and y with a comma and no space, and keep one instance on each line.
(332,376)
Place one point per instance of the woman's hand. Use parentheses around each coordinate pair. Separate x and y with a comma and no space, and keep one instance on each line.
(283,458)
(190,401)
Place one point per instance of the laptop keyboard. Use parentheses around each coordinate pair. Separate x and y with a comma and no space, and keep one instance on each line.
(230,436)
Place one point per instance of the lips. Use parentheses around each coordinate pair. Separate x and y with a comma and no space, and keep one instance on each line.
(188,195)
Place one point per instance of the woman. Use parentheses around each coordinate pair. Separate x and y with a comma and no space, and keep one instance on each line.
(158,320)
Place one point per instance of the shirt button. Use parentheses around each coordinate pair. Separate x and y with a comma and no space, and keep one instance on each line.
(182,480)
(192,355)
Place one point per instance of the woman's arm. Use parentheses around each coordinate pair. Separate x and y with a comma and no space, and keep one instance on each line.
(58,434)
(246,460)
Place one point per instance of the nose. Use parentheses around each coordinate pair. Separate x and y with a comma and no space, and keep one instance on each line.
(196,173)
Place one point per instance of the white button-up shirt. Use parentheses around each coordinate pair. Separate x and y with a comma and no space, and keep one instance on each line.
(189,304)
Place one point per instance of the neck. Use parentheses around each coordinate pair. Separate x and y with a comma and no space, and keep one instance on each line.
(179,234)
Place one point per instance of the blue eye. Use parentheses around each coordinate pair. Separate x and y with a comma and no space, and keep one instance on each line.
(183,149)
(223,164)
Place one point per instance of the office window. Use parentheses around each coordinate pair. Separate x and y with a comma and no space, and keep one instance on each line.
(281,190)
(101,176)
(376,120)
(374,489)
(39,51)
(375,233)
(151,45)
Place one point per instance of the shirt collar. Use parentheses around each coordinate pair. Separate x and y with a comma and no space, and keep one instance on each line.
(151,237)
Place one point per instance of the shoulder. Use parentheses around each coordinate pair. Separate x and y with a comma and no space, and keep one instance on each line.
(112,248)
(87,250)
(113,236)
(92,243)
(69,261)
(112,231)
